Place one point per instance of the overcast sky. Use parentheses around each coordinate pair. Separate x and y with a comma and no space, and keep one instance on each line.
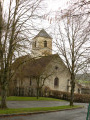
(55,4)
(52,4)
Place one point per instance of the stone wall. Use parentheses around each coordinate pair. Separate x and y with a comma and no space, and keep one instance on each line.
(40,50)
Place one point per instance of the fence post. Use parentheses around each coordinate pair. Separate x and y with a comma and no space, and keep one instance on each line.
(88,113)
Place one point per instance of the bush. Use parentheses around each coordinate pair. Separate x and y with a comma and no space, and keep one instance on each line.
(84,98)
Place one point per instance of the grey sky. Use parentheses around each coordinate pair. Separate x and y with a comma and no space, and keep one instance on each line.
(55,4)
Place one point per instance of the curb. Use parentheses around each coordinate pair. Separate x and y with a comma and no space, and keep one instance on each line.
(40,112)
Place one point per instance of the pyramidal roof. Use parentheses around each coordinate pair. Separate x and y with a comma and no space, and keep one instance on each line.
(43,33)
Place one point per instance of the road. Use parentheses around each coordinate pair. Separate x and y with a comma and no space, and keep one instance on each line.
(78,114)
(32,104)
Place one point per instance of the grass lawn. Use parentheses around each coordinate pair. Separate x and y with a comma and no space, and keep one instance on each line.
(84,81)
(15,98)
(24,110)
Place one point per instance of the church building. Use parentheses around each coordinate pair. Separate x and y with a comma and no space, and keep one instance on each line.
(42,70)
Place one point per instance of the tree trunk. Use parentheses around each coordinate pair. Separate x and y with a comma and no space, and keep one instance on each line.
(40,94)
(37,93)
(37,80)
(3,97)
(72,89)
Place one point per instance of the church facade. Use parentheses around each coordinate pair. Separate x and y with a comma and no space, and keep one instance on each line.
(42,70)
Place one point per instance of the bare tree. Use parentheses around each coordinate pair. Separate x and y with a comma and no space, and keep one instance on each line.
(15,29)
(80,7)
(36,69)
(40,81)
(72,42)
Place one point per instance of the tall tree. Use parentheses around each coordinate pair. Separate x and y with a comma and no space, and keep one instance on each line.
(72,42)
(16,24)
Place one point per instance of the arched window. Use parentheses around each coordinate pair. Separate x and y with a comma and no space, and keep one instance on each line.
(45,43)
(56,81)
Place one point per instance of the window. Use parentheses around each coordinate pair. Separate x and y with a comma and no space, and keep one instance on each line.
(45,43)
(78,90)
(56,67)
(56,81)
(68,82)
(35,44)
(30,82)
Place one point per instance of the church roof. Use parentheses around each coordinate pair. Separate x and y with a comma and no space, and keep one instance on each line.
(35,67)
(43,33)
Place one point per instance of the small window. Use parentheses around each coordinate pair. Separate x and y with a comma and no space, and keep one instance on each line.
(56,67)
(56,81)
(45,43)
(30,82)
(35,44)
(78,90)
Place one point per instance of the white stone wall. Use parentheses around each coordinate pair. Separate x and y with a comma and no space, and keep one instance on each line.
(62,73)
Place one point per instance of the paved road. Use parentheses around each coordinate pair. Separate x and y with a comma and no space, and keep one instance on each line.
(30,104)
(78,114)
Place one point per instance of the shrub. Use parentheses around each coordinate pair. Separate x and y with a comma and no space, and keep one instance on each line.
(84,98)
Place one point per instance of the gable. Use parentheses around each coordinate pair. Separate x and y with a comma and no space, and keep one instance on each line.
(57,64)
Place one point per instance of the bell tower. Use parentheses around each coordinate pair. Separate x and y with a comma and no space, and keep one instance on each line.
(41,44)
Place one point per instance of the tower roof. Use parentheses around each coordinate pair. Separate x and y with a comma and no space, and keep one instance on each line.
(43,33)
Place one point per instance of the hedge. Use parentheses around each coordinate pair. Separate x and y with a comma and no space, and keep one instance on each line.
(84,98)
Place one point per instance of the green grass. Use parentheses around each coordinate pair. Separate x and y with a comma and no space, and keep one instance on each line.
(15,98)
(84,81)
(24,110)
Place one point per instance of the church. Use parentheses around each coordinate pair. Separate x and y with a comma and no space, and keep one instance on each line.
(42,70)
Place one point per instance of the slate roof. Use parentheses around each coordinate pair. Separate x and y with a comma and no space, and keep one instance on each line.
(43,33)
